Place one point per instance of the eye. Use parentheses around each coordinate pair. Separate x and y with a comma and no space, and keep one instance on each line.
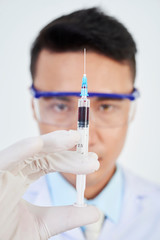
(61,107)
(105,107)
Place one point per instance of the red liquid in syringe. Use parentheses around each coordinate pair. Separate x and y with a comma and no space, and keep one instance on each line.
(83,116)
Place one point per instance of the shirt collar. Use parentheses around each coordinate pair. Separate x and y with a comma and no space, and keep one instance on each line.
(109,201)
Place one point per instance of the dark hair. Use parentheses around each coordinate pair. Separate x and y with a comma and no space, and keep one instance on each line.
(87,28)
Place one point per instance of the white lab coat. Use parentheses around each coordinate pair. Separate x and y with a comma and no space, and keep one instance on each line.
(140,217)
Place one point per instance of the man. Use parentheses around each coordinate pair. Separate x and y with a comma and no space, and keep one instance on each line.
(129,205)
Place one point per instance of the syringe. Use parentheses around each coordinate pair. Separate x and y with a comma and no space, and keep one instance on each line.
(83,129)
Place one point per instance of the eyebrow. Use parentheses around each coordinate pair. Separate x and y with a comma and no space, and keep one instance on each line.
(108,98)
(67,99)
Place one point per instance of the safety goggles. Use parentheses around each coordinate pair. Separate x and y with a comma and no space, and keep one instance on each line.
(107,109)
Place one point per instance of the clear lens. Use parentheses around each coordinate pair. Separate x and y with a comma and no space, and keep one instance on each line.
(62,111)
(111,113)
(55,111)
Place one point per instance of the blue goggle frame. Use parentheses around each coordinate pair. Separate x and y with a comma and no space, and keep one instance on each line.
(38,94)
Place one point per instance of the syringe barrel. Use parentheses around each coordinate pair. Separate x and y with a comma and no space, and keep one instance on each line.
(83,112)
(82,146)
(83,124)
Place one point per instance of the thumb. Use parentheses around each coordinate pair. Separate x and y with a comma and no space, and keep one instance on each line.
(54,220)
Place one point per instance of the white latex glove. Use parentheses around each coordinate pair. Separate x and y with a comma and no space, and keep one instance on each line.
(23,163)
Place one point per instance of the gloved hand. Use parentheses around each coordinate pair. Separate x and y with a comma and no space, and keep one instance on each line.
(23,163)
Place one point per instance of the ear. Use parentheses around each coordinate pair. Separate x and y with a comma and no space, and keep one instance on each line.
(33,109)
(134,109)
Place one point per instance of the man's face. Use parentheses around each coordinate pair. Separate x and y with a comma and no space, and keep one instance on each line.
(63,72)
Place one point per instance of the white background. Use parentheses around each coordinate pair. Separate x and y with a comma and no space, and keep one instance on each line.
(20,21)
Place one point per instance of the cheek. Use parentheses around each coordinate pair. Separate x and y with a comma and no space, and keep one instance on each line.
(114,140)
(45,128)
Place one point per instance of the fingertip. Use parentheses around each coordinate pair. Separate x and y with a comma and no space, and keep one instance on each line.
(74,135)
(96,213)
(93,212)
(93,155)
(94,158)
